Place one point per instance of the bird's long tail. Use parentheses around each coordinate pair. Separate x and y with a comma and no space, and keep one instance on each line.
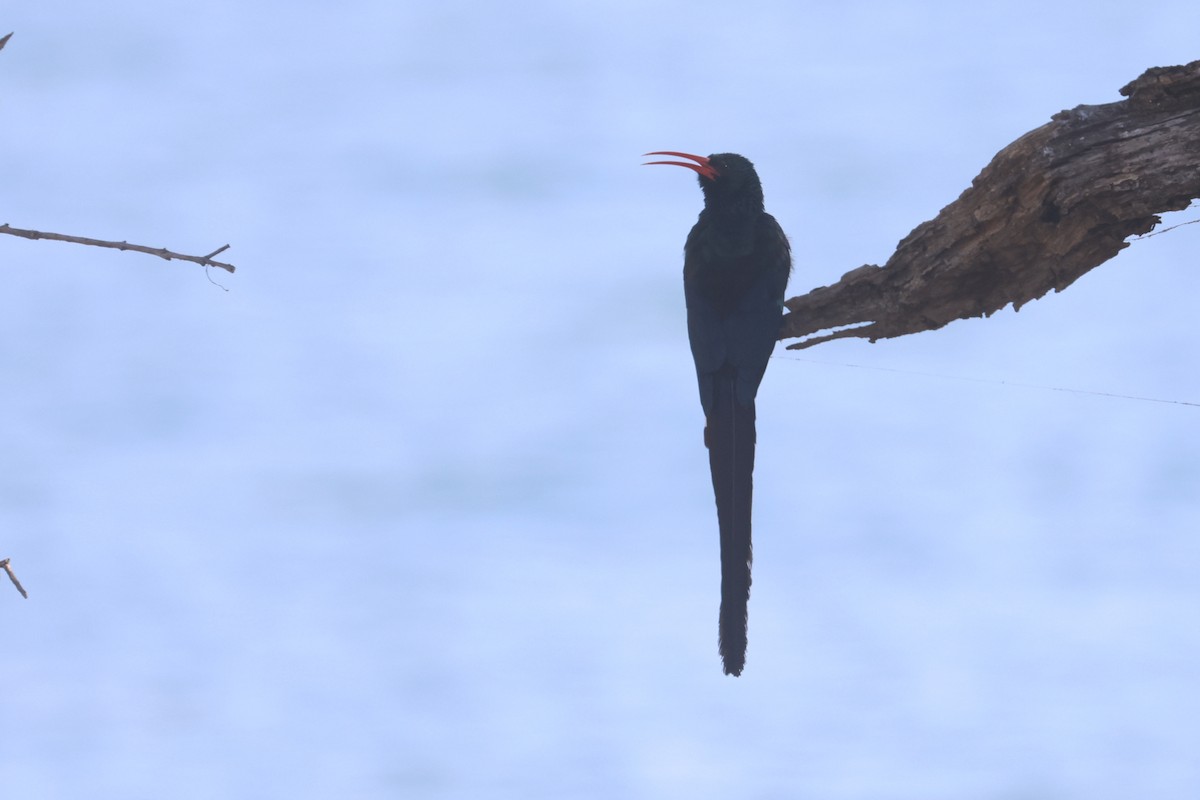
(730,440)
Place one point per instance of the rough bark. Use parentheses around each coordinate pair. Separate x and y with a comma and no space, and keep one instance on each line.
(1052,205)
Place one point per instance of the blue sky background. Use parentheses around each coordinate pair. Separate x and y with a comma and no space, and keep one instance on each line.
(419,507)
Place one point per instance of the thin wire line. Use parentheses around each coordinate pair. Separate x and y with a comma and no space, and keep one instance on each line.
(994,381)
(1164,230)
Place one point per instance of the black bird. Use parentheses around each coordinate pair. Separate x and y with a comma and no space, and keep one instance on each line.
(735,269)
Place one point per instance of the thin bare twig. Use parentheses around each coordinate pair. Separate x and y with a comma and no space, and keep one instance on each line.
(11,575)
(161,252)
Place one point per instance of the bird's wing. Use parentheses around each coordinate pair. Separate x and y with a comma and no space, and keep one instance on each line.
(751,331)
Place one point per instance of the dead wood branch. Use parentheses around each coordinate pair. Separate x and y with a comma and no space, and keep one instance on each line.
(12,576)
(1052,205)
(161,252)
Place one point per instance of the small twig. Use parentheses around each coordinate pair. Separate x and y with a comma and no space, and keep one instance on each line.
(161,252)
(4,562)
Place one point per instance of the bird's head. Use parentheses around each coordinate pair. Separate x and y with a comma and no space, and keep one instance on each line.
(726,178)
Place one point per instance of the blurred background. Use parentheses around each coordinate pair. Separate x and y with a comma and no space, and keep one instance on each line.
(419,507)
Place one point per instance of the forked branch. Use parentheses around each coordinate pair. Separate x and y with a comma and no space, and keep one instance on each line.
(161,252)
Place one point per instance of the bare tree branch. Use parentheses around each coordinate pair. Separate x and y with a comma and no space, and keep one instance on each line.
(1052,205)
(4,562)
(161,252)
